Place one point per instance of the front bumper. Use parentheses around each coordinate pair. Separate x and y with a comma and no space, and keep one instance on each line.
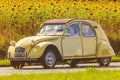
(23,59)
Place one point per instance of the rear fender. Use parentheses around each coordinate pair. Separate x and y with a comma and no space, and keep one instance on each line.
(104,50)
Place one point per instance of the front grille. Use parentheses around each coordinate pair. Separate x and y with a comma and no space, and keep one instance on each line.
(19,52)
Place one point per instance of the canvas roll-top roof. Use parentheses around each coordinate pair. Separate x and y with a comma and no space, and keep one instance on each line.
(57,21)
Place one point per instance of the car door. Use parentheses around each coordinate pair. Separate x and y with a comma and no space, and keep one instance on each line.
(88,39)
(71,42)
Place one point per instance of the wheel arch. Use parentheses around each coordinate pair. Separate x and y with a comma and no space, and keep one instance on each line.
(58,55)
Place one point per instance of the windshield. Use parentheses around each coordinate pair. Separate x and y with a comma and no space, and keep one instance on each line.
(52,29)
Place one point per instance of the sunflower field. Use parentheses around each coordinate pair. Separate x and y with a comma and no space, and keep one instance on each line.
(21,18)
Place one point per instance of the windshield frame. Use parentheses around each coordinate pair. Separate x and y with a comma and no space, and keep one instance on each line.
(54,33)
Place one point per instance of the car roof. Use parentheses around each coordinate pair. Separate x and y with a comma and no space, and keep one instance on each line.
(58,21)
(64,21)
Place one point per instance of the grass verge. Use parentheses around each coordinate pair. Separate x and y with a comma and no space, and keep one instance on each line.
(116,59)
(4,63)
(89,74)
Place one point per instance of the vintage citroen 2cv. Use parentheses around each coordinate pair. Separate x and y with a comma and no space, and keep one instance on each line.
(62,40)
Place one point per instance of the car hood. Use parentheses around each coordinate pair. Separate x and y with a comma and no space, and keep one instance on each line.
(34,39)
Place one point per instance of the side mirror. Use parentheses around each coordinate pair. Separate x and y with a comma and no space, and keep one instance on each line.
(94,26)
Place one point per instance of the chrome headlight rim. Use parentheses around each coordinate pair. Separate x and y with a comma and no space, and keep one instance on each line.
(12,43)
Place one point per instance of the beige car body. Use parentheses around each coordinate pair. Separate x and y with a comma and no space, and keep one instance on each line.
(68,47)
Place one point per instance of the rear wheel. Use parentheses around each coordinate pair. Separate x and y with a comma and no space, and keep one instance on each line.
(17,65)
(104,61)
(49,59)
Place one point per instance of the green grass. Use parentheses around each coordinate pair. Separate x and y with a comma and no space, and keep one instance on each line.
(89,74)
(116,58)
(4,63)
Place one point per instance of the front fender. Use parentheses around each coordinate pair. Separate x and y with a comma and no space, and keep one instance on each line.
(104,49)
(38,50)
(10,53)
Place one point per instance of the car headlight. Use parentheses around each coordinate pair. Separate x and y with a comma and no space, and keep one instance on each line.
(12,43)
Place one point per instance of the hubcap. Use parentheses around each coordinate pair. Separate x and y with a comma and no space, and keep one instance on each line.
(50,59)
(106,60)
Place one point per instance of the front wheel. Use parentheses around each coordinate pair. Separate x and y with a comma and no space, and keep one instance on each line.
(104,61)
(49,59)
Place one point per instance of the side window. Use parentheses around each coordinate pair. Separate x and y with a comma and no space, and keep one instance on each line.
(73,30)
(87,30)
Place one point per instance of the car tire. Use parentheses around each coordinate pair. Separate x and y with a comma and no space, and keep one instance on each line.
(17,65)
(73,63)
(104,61)
(49,59)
